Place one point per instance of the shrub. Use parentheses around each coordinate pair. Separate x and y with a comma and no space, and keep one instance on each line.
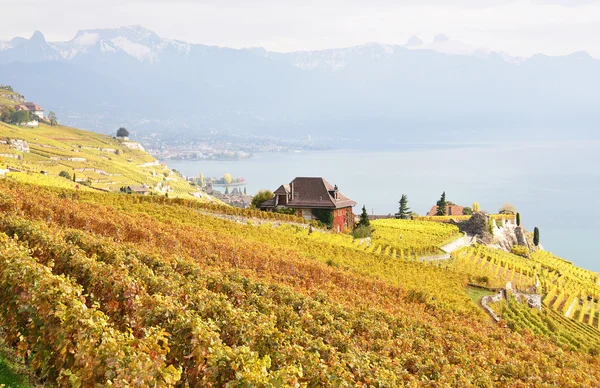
(362,231)
(325,216)
(520,250)
(65,174)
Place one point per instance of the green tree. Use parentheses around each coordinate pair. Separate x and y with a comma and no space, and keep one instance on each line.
(403,210)
(260,197)
(122,132)
(536,236)
(442,205)
(245,191)
(518,219)
(65,174)
(20,117)
(467,211)
(74,178)
(227,190)
(6,113)
(364,218)
(52,118)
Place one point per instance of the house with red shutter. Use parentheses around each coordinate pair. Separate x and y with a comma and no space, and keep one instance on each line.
(311,197)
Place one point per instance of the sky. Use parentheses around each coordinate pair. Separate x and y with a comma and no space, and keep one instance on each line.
(520,28)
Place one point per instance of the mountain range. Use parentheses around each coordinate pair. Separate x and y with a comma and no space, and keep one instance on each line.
(445,90)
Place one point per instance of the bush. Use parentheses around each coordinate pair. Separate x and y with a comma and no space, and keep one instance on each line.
(325,216)
(362,232)
(520,250)
(65,174)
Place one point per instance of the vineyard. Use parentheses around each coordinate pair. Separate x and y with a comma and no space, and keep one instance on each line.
(102,289)
(570,294)
(102,162)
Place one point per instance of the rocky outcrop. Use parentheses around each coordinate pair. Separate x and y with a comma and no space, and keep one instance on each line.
(477,225)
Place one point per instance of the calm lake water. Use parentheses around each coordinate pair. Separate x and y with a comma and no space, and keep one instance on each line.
(555,186)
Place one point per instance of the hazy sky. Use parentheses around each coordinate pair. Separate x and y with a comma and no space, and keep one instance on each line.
(518,27)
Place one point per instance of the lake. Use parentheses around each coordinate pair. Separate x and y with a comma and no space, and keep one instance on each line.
(555,185)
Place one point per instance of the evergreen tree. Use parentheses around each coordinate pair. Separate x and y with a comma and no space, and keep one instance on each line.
(404,210)
(364,218)
(226,189)
(536,236)
(245,191)
(518,219)
(122,132)
(74,178)
(442,204)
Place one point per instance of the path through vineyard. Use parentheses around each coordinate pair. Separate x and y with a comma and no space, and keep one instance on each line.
(462,242)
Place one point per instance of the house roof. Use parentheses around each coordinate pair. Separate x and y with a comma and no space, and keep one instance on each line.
(312,192)
(451,210)
(283,189)
(32,106)
(138,188)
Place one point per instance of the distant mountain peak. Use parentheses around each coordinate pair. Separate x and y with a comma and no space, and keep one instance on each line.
(37,37)
(439,38)
(414,41)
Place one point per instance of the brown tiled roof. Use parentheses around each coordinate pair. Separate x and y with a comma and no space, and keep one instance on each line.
(451,210)
(313,192)
(33,107)
(138,189)
(283,189)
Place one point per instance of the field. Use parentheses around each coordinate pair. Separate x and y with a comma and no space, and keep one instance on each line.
(107,164)
(107,288)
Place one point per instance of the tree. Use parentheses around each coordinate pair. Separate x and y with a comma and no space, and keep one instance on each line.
(227,190)
(245,191)
(467,211)
(52,118)
(227,178)
(476,207)
(518,219)
(122,132)
(403,210)
(201,180)
(260,197)
(442,205)
(364,218)
(536,236)
(65,174)
(6,113)
(74,178)
(507,208)
(20,117)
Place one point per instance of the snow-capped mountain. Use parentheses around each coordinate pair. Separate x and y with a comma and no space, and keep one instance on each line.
(338,59)
(135,41)
(371,91)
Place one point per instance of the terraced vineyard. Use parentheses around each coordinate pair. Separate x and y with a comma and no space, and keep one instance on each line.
(570,294)
(104,162)
(100,288)
(411,239)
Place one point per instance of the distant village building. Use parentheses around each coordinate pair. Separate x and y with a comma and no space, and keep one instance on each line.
(451,210)
(142,190)
(33,109)
(310,194)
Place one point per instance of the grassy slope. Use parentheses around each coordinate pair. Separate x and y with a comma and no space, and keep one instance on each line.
(123,166)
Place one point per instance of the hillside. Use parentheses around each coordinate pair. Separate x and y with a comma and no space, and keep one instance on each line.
(152,290)
(97,162)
